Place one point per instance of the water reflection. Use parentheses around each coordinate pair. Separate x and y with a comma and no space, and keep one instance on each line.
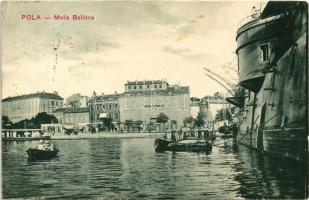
(119,168)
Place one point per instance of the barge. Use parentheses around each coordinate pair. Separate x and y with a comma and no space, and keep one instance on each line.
(187,145)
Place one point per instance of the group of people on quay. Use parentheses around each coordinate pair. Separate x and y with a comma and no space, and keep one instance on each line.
(185,134)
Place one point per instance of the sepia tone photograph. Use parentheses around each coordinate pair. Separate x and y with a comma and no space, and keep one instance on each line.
(154,99)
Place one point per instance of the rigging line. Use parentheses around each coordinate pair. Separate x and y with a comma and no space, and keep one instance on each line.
(229,90)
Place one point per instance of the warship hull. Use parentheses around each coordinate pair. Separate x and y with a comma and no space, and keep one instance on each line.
(272,61)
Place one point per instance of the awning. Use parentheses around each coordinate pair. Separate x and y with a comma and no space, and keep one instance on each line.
(103,115)
(68,126)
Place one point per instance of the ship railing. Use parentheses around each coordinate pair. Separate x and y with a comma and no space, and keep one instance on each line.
(251,18)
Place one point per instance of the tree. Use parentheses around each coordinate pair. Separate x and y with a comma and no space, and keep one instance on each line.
(188,120)
(199,122)
(6,122)
(162,119)
(43,118)
(35,122)
(107,123)
(25,123)
(224,114)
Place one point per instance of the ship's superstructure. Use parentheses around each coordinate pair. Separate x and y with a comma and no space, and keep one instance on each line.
(272,95)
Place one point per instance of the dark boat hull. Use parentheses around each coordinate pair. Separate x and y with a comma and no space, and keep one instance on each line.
(37,154)
(194,147)
(166,145)
(161,144)
(227,136)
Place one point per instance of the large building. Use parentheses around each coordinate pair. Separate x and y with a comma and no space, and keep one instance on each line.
(27,106)
(145,100)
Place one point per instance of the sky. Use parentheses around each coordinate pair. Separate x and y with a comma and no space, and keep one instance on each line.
(127,40)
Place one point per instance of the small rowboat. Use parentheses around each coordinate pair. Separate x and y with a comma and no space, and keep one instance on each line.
(40,154)
(44,150)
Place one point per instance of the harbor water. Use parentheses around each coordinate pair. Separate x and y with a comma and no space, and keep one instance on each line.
(129,168)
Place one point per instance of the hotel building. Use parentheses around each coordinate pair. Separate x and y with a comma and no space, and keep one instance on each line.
(27,106)
(145,100)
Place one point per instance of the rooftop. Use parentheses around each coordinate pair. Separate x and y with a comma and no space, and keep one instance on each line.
(107,97)
(145,82)
(168,91)
(42,95)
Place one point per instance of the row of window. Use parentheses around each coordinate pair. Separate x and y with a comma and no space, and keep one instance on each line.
(22,111)
(141,86)
(22,103)
(76,119)
(52,103)
(106,106)
(19,104)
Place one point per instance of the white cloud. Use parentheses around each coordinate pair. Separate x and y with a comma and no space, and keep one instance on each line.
(126,41)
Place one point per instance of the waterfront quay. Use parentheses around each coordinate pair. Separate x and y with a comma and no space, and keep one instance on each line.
(106,135)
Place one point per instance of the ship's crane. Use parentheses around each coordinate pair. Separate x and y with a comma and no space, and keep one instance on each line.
(227,82)
(228,88)
(230,84)
(231,68)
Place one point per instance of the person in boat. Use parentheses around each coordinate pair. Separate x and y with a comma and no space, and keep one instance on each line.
(47,146)
(234,130)
(173,136)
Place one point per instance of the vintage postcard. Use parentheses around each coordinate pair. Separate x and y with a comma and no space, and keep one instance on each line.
(154,99)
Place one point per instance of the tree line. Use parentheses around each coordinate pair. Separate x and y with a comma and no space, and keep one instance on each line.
(33,123)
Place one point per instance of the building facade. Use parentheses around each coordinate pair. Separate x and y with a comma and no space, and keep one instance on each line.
(104,106)
(145,100)
(76,116)
(200,105)
(27,106)
(195,106)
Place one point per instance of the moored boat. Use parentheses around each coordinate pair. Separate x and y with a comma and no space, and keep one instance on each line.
(161,144)
(189,144)
(43,151)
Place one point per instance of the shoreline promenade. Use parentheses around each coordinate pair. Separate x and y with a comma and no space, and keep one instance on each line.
(105,135)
